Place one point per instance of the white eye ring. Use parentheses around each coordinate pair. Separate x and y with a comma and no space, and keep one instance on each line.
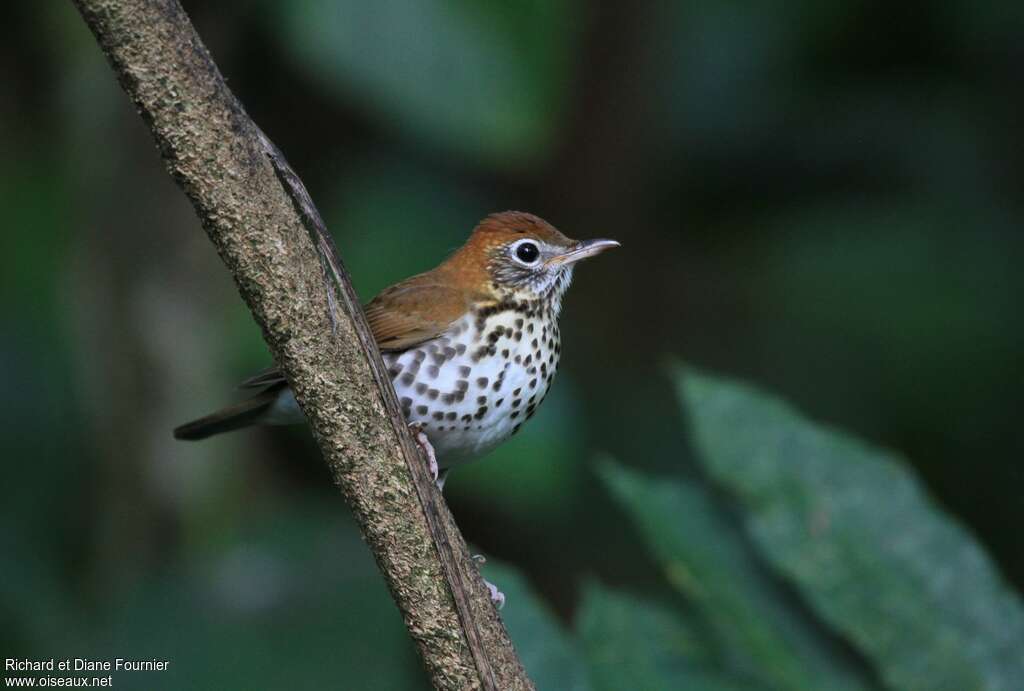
(525,252)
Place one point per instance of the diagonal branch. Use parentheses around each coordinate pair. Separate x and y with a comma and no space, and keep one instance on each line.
(266,229)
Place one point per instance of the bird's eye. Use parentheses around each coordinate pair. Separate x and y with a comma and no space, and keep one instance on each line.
(527,253)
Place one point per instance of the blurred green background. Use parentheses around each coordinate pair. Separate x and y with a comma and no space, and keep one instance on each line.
(822,199)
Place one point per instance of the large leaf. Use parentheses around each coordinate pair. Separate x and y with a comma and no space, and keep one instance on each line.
(855,533)
(705,557)
(548,653)
(633,644)
(484,79)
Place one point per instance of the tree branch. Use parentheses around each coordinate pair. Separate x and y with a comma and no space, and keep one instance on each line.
(259,217)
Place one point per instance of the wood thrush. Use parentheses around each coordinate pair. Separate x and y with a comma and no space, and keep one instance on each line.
(471,346)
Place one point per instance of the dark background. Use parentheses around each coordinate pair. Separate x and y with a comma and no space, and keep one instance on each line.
(822,199)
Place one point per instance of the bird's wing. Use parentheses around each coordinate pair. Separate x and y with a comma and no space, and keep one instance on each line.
(400,317)
(414,311)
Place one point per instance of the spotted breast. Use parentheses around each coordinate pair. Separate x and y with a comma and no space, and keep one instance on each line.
(475,386)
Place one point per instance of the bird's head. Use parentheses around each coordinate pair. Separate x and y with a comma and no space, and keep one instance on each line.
(517,254)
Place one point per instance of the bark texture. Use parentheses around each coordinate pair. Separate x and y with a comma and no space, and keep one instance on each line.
(266,230)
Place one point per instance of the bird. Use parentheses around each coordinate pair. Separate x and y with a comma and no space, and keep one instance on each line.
(471,346)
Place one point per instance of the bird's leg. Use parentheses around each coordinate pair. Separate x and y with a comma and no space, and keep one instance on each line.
(424,443)
(497,597)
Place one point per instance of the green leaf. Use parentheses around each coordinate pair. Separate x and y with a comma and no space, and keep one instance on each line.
(548,653)
(706,558)
(633,644)
(486,80)
(854,532)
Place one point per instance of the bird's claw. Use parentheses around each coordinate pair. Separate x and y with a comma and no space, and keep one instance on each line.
(497,597)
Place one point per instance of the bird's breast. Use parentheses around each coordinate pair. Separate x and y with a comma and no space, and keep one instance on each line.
(475,386)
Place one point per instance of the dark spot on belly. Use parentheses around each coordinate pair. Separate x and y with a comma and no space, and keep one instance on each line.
(438,358)
(482,382)
(480,412)
(407,378)
(438,415)
(449,353)
(394,371)
(504,353)
(533,383)
(515,403)
(480,400)
(517,391)
(515,414)
(519,323)
(432,394)
(450,416)
(466,418)
(516,428)
(497,403)
(448,398)
(460,348)
(420,356)
(421,409)
(432,371)
(464,371)
(529,328)
(461,385)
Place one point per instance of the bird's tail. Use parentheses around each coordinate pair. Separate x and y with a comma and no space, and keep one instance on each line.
(243,414)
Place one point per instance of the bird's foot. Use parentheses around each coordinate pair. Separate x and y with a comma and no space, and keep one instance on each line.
(424,443)
(497,597)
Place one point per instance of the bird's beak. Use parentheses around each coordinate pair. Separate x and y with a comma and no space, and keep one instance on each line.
(582,250)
